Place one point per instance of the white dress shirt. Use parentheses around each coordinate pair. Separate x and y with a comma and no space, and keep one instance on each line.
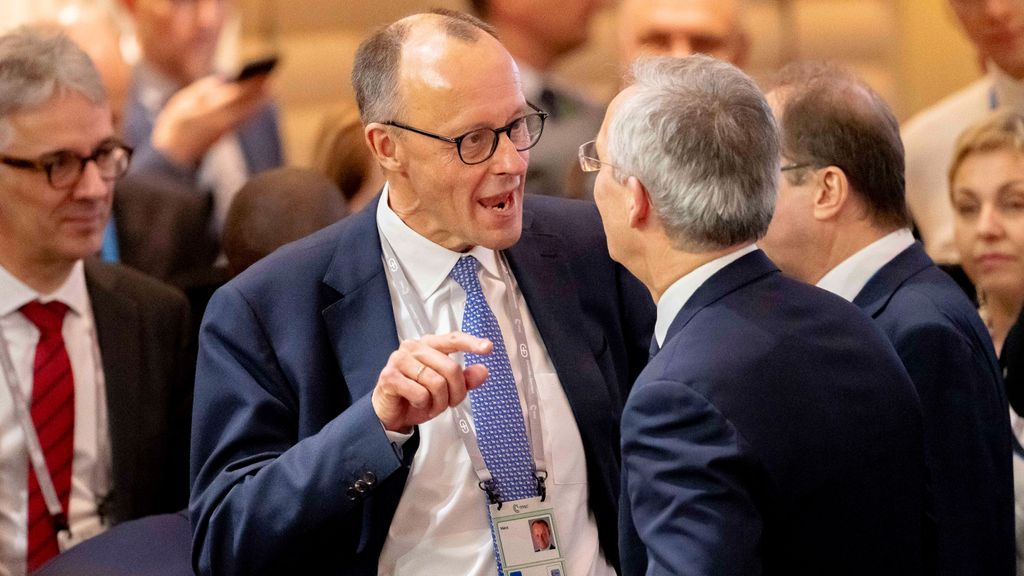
(440,526)
(680,292)
(929,139)
(90,477)
(851,275)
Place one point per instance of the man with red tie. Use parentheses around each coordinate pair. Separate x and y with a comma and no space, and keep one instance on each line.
(94,359)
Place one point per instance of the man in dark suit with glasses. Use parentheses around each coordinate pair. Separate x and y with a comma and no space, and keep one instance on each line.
(331,432)
(94,358)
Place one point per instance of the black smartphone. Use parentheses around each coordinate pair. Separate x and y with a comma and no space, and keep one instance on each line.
(259,67)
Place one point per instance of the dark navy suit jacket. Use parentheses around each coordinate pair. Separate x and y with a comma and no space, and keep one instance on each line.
(949,356)
(776,432)
(291,349)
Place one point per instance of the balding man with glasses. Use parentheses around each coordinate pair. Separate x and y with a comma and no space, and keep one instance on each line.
(94,359)
(407,390)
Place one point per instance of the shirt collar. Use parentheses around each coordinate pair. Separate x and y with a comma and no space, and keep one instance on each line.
(851,275)
(426,264)
(14,293)
(673,300)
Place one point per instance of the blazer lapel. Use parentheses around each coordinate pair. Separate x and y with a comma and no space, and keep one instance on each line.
(118,331)
(727,280)
(359,318)
(880,288)
(549,289)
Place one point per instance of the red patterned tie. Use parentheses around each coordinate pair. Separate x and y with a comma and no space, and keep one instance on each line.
(53,414)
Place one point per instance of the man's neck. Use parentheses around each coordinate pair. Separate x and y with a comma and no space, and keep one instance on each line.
(44,277)
(663,267)
(847,243)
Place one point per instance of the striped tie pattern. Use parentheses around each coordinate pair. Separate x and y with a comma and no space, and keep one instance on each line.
(497,415)
(53,415)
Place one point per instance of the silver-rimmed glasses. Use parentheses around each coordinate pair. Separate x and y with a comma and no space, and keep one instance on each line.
(589,160)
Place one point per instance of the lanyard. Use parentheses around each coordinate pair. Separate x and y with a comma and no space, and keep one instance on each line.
(461,416)
(35,452)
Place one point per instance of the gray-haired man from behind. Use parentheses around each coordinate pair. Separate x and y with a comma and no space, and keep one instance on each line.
(774,431)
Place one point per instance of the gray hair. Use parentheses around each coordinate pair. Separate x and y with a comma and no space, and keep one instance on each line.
(699,135)
(37,64)
(375,71)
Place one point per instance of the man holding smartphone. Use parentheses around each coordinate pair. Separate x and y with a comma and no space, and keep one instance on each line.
(184,121)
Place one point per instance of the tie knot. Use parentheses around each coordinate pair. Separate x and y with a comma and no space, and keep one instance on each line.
(48,318)
(464,273)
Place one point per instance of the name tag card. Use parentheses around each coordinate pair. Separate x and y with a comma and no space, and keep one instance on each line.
(527,538)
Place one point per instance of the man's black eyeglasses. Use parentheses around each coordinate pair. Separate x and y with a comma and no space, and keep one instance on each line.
(479,145)
(63,168)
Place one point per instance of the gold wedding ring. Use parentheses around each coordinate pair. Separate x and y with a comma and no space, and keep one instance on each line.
(418,372)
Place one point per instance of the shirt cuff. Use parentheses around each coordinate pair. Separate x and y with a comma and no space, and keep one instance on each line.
(397,438)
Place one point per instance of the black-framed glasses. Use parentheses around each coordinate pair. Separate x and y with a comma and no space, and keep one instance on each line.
(63,167)
(477,146)
(589,160)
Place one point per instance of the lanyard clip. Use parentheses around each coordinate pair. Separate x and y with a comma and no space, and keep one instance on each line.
(542,490)
(492,495)
(60,522)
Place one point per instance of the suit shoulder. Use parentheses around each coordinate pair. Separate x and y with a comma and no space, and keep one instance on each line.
(930,297)
(131,282)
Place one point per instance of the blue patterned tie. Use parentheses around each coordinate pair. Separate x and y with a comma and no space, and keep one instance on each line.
(500,430)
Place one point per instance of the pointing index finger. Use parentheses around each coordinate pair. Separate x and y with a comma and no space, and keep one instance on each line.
(458,342)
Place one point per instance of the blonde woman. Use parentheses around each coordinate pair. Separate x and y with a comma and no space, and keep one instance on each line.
(987,192)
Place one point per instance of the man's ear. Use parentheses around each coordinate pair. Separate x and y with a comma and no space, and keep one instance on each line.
(831,194)
(384,147)
(639,203)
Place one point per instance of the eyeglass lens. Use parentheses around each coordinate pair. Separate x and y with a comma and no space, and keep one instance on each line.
(588,157)
(64,168)
(478,145)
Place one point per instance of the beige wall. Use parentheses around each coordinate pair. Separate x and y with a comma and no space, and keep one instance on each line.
(910,50)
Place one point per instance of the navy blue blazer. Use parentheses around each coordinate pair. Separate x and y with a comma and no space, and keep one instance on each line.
(776,432)
(948,353)
(291,349)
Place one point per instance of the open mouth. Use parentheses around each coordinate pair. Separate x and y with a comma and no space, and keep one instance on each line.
(499,203)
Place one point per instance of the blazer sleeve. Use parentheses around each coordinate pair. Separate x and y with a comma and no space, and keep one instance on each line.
(688,480)
(259,493)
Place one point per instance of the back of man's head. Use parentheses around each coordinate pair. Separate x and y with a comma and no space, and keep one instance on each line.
(37,65)
(376,68)
(699,135)
(829,117)
(276,207)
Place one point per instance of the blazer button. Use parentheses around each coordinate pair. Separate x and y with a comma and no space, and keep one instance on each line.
(369,478)
(360,487)
(352,494)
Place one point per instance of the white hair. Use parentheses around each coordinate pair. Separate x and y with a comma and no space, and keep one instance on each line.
(699,135)
(38,64)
